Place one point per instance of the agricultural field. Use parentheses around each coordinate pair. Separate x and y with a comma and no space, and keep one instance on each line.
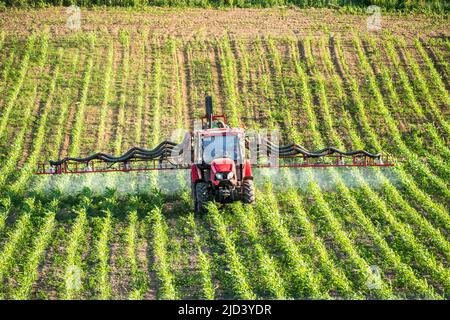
(129,78)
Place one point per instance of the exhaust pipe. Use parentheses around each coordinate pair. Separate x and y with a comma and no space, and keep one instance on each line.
(209,110)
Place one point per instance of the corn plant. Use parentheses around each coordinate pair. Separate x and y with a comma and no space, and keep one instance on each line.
(349,200)
(339,235)
(138,279)
(229,74)
(267,273)
(406,180)
(30,271)
(268,107)
(167,290)
(244,70)
(305,92)
(435,76)
(40,134)
(336,278)
(4,211)
(437,50)
(141,91)
(103,251)
(284,103)
(125,41)
(412,247)
(426,176)
(7,69)
(106,95)
(407,86)
(204,263)
(64,108)
(77,128)
(18,82)
(73,273)
(438,145)
(421,83)
(2,39)
(156,101)
(239,278)
(16,240)
(305,282)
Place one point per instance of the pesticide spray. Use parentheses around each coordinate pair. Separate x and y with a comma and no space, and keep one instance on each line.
(176,182)
(300,178)
(168,182)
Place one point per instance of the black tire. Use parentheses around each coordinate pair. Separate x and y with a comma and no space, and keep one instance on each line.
(248,192)
(202,197)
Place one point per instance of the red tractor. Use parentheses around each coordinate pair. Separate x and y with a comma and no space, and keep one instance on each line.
(220,159)
(220,170)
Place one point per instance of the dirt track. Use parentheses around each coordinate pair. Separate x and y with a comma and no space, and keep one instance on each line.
(203,23)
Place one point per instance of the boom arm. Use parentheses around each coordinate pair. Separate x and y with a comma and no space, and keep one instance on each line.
(168,155)
(165,156)
(289,156)
(295,149)
(162,151)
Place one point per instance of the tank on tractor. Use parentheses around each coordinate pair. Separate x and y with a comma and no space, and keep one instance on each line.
(220,171)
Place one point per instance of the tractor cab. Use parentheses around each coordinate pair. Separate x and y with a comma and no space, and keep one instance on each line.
(220,143)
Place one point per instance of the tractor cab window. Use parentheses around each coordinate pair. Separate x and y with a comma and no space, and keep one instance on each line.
(224,146)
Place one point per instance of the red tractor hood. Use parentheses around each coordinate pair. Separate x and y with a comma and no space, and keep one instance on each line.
(222,165)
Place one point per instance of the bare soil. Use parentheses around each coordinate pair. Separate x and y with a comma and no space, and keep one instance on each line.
(206,23)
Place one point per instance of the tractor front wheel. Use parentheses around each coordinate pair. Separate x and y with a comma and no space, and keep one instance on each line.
(202,197)
(249,191)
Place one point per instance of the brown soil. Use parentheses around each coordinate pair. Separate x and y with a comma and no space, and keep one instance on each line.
(201,23)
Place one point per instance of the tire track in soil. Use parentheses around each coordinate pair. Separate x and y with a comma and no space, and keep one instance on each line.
(131,99)
(144,264)
(205,232)
(113,95)
(423,67)
(182,66)
(336,103)
(437,62)
(119,274)
(50,271)
(132,94)
(255,75)
(188,76)
(40,100)
(181,273)
(243,74)
(147,76)
(27,146)
(216,74)
(114,111)
(63,152)
(343,77)
(152,291)
(92,109)
(167,98)
(262,115)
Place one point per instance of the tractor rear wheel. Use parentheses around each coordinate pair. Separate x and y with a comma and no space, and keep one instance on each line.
(249,192)
(202,197)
